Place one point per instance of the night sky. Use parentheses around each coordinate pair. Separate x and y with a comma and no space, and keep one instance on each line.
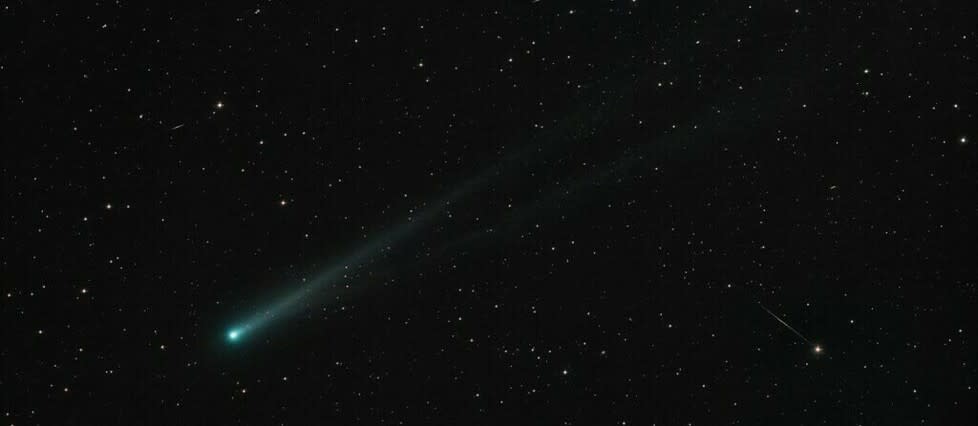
(490,213)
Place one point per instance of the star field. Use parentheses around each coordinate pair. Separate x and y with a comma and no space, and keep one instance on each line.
(620,212)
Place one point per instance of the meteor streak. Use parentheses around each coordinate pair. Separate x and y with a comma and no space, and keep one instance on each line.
(817,348)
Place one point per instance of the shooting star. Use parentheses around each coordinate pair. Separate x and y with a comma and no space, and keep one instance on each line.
(177,126)
(815,346)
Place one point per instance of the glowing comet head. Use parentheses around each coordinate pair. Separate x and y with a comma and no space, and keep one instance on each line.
(234,335)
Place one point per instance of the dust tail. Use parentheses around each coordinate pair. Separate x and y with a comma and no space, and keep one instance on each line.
(785,324)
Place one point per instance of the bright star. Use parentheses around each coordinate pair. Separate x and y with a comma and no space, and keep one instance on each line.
(818,349)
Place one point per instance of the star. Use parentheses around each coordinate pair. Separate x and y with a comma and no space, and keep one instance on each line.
(817,349)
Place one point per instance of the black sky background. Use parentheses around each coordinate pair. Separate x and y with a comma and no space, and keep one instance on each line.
(655,170)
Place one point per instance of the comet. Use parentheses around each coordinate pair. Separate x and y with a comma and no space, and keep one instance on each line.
(373,248)
(309,292)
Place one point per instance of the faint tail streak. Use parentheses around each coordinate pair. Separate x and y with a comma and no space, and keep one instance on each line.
(785,324)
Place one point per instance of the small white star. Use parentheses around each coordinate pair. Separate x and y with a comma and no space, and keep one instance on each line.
(818,349)
(219,105)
